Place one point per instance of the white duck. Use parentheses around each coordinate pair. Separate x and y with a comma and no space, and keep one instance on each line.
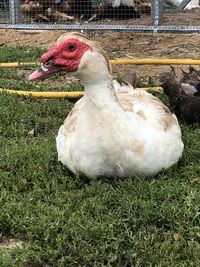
(109,133)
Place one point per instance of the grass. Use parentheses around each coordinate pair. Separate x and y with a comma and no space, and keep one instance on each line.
(59,220)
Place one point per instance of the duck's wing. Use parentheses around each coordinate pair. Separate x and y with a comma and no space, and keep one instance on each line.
(65,136)
(148,108)
(67,129)
(71,119)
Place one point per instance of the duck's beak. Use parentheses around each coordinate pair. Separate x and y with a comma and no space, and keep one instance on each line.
(45,70)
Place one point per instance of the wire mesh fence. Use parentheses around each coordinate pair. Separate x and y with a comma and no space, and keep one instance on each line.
(4,11)
(138,15)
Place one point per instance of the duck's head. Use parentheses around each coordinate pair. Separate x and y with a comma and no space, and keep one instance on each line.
(192,77)
(73,53)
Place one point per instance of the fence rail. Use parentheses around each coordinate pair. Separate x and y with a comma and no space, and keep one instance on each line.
(157,15)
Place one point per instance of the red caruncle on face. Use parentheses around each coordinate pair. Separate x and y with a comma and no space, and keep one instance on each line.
(67,54)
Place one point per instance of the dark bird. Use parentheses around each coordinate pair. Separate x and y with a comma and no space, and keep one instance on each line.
(185,106)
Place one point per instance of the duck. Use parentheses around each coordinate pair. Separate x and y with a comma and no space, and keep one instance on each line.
(109,132)
(183,94)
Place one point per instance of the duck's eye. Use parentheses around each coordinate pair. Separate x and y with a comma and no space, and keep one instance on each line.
(71,47)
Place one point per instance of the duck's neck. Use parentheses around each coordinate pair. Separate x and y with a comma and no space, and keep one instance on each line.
(101,93)
(97,80)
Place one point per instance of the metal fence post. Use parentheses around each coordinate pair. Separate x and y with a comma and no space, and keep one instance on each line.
(156,13)
(14,11)
(17,11)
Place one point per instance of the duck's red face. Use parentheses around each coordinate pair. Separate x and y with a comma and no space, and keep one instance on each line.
(63,57)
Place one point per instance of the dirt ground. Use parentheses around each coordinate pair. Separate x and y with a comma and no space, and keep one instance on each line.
(121,45)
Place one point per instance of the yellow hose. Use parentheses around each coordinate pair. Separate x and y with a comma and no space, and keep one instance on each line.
(18,64)
(69,95)
(44,94)
(157,61)
(136,61)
